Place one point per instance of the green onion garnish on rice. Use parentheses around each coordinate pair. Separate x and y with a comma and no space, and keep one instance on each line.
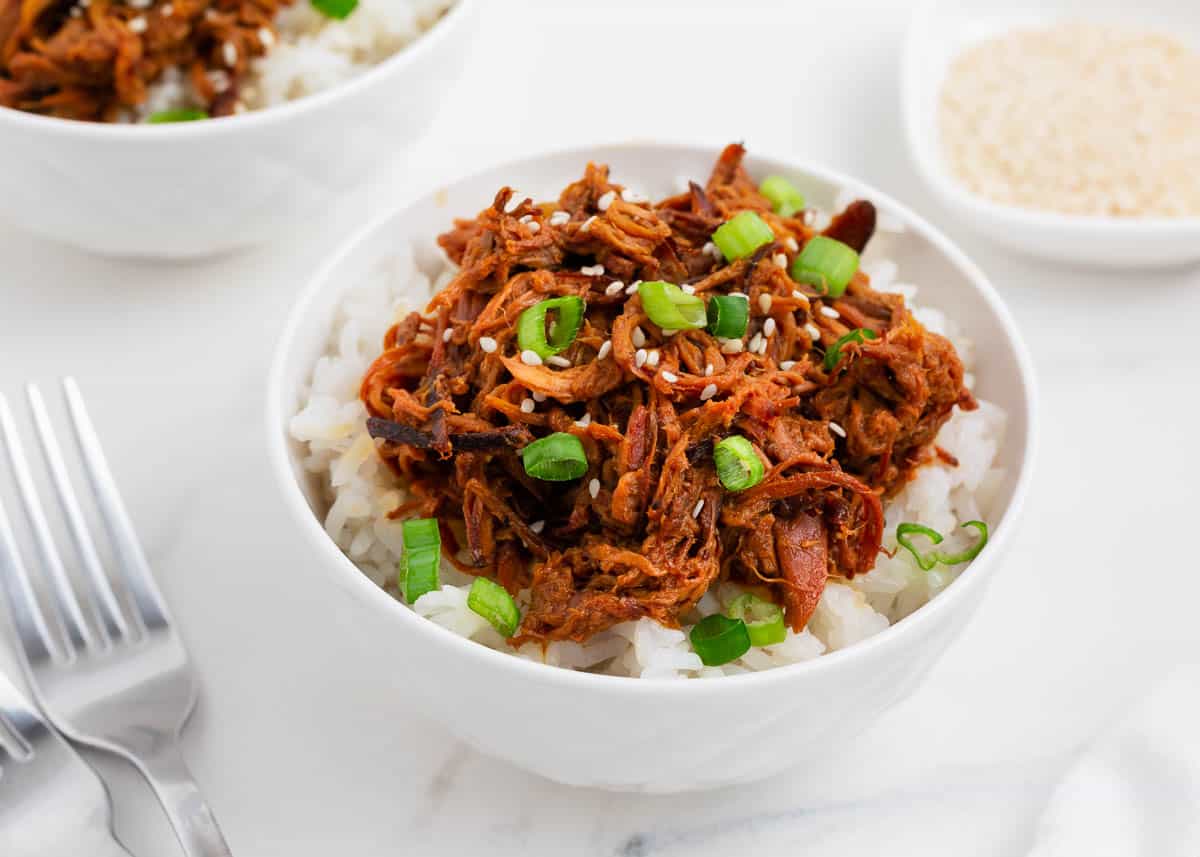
(718,639)
(728,316)
(826,264)
(531,326)
(738,465)
(834,354)
(558,457)
(928,561)
(741,235)
(339,9)
(784,196)
(421,558)
(764,620)
(670,307)
(182,114)
(492,601)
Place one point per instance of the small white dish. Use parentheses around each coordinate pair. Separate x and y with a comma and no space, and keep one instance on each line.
(193,189)
(622,733)
(938,32)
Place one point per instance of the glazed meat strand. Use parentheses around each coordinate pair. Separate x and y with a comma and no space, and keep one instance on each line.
(649,528)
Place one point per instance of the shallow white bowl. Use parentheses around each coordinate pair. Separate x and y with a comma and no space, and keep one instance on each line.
(639,734)
(197,188)
(938,32)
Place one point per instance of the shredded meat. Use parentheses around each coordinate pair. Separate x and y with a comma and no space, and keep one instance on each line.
(92,61)
(661,529)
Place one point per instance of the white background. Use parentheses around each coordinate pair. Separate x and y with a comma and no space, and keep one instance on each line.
(298,756)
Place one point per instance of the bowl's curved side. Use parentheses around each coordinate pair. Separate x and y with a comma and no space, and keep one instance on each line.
(620,733)
(195,189)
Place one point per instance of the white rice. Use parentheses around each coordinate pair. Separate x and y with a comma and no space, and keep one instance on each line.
(312,52)
(360,492)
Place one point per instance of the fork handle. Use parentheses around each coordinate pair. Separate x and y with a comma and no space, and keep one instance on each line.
(194,824)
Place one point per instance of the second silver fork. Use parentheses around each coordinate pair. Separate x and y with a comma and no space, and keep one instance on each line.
(101,679)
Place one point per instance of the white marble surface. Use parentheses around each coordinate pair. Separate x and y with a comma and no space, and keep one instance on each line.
(290,744)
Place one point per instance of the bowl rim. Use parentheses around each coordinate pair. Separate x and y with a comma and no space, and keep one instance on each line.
(425,43)
(914,85)
(878,645)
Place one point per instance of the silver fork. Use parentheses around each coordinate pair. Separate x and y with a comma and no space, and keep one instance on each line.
(120,685)
(51,802)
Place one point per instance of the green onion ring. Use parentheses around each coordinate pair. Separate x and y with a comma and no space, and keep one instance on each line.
(181,114)
(738,465)
(531,326)
(338,9)
(763,619)
(928,561)
(491,601)
(826,264)
(558,457)
(741,235)
(670,307)
(784,196)
(971,552)
(718,639)
(728,316)
(418,570)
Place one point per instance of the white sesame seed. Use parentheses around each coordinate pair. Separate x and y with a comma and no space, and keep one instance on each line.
(769,327)
(790,244)
(538,397)
(688,290)
(614,288)
(585,422)
(514,202)
(837,429)
(559,218)
(631,195)
(698,508)
(787,365)
(138,25)
(229,53)
(530,358)
(488,344)
(447,333)
(708,370)
(813,331)
(796,293)
(633,287)
(76,12)
(830,312)
(732,346)
(525,218)
(756,342)
(537,526)
(605,349)
(638,336)
(167,10)
(669,377)
(668,332)
(606,200)
(708,392)
(810,215)
(594,488)
(527,405)
(592,270)
(780,260)
(639,358)
(587,224)
(712,250)
(652,357)
(139,4)
(534,226)
(559,361)
(266,37)
(764,303)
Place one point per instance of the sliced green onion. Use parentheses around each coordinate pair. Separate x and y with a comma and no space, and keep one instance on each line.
(971,552)
(834,354)
(531,326)
(728,315)
(738,466)
(827,264)
(555,458)
(783,195)
(671,307)
(718,639)
(742,235)
(491,601)
(421,558)
(183,114)
(928,561)
(339,9)
(763,619)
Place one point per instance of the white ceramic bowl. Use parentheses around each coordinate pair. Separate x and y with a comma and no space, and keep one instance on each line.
(637,734)
(938,32)
(197,188)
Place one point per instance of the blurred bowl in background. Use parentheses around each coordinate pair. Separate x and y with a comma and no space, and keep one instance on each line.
(193,189)
(939,32)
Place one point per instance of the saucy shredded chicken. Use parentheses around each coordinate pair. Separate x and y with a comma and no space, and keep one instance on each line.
(77,59)
(649,528)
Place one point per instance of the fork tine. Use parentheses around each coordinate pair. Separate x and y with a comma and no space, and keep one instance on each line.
(108,611)
(27,615)
(131,559)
